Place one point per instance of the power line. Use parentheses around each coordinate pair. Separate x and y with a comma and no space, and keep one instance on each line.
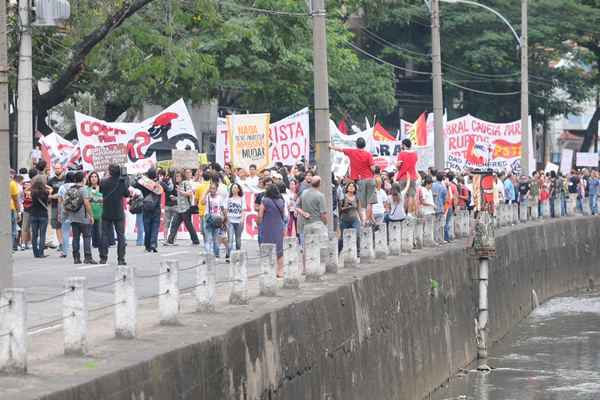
(266,11)
(366,53)
(451,83)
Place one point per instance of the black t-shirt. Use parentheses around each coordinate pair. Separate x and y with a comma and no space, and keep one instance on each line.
(39,204)
(573,182)
(523,188)
(113,191)
(55,182)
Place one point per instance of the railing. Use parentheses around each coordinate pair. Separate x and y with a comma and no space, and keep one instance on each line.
(318,256)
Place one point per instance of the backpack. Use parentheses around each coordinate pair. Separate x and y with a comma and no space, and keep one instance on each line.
(136,205)
(151,202)
(73,199)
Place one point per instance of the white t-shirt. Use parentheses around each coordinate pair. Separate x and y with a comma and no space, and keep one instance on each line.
(235,207)
(379,207)
(427,196)
(214,204)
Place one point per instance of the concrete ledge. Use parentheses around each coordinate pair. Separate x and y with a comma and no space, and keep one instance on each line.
(374,333)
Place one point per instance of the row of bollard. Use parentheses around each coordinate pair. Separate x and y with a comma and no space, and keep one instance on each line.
(319,255)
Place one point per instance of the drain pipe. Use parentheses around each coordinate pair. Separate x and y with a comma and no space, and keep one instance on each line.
(484,245)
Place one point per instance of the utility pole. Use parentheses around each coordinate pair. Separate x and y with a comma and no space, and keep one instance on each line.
(438,97)
(322,138)
(24,89)
(6,272)
(524,91)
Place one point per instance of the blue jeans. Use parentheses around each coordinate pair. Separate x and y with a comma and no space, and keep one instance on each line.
(13,228)
(139,227)
(234,233)
(211,239)
(594,203)
(38,235)
(449,215)
(563,204)
(151,228)
(66,231)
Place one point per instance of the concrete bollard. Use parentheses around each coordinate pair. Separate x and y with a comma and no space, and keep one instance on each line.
(267,281)
(439,222)
(168,288)
(395,238)
(350,250)
(367,253)
(418,233)
(75,315)
(126,303)
(332,264)
(545,209)
(457,221)
(13,331)
(533,209)
(206,281)
(556,205)
(428,231)
(312,258)
(382,249)
(523,209)
(572,204)
(239,289)
(291,263)
(586,206)
(408,235)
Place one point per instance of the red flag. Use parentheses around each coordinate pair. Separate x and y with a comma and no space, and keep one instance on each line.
(381,135)
(343,127)
(418,132)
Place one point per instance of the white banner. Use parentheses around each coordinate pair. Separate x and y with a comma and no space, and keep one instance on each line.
(147,142)
(289,139)
(339,161)
(474,143)
(566,161)
(587,160)
(56,149)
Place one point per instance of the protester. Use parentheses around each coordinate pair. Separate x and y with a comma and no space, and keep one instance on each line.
(235,218)
(362,169)
(26,215)
(166,179)
(65,222)
(152,191)
(311,207)
(14,208)
(349,214)
(113,188)
(271,219)
(425,200)
(199,196)
(215,219)
(93,184)
(185,194)
(39,215)
(594,190)
(382,206)
(55,182)
(77,208)
(407,173)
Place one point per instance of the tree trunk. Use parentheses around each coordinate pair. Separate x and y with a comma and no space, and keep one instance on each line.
(591,132)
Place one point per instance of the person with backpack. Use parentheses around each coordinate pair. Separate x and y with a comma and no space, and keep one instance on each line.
(77,208)
(271,214)
(113,188)
(40,193)
(65,223)
(152,192)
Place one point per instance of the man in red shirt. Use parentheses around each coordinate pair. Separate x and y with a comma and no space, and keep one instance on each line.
(407,174)
(361,171)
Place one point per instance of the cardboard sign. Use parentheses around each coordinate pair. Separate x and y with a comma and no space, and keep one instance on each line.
(184,159)
(248,137)
(566,161)
(103,156)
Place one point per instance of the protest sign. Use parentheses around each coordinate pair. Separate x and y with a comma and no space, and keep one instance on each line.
(288,139)
(474,143)
(147,142)
(551,167)
(57,150)
(183,159)
(248,136)
(587,160)
(566,161)
(103,156)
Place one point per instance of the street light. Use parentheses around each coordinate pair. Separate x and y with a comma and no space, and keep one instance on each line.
(522,41)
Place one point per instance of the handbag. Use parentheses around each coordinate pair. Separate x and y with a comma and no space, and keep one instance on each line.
(214,221)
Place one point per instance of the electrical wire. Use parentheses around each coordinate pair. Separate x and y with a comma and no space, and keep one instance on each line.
(266,11)
(366,53)
(451,83)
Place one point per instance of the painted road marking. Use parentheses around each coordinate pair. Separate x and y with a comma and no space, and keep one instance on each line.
(93,266)
(44,329)
(174,254)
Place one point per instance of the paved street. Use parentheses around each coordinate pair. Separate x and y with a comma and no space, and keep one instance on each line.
(44,278)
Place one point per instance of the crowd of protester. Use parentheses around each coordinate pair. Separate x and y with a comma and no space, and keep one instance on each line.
(58,209)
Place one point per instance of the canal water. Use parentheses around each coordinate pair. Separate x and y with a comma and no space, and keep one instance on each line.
(553,355)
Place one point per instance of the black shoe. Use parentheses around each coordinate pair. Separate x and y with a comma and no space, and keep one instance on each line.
(103,260)
(153,250)
(77,261)
(90,261)
(121,262)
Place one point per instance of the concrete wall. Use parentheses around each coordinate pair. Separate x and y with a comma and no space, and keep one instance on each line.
(381,336)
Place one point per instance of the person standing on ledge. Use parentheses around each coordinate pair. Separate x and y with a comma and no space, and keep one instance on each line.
(407,175)
(362,168)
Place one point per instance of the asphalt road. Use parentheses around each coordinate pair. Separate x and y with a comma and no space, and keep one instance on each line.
(45,278)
